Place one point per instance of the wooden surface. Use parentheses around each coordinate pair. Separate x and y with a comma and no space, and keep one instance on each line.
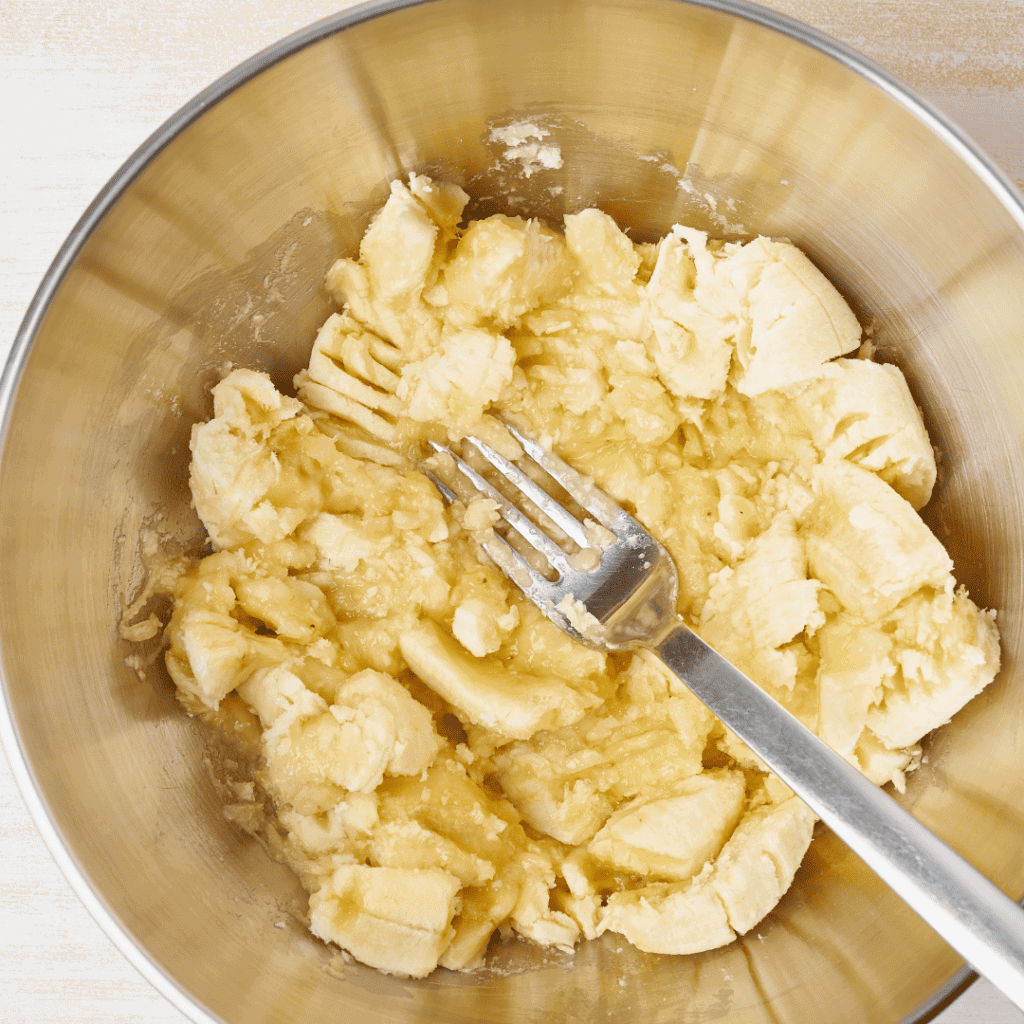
(82,84)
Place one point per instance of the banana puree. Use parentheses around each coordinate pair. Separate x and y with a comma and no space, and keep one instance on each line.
(442,761)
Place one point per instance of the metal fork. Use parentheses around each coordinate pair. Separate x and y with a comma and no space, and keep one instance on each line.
(628,600)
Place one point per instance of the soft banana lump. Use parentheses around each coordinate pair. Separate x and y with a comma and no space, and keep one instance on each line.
(443,763)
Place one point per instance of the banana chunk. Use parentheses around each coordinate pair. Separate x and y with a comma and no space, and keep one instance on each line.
(606,256)
(948,653)
(866,543)
(767,599)
(455,385)
(748,878)
(395,919)
(407,844)
(211,651)
(372,729)
(864,412)
(689,343)
(293,609)
(234,469)
(672,838)
(856,660)
(794,320)
(757,865)
(502,268)
(681,917)
(567,783)
(400,258)
(511,703)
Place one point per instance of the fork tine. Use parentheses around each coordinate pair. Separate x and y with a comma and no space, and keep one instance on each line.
(560,516)
(447,493)
(514,565)
(523,526)
(580,487)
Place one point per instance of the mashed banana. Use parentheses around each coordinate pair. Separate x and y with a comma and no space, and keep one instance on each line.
(442,760)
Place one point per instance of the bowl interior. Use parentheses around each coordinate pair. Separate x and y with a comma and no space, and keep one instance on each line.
(213,249)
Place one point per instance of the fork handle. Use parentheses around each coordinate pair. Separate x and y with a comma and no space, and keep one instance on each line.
(975,917)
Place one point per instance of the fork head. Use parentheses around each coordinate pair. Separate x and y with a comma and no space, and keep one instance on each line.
(586,562)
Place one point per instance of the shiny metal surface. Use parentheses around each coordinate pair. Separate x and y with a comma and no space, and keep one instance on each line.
(210,245)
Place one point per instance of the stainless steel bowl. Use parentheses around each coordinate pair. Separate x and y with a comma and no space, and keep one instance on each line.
(210,245)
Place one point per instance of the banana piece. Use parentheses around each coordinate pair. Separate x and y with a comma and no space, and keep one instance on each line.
(864,412)
(672,838)
(482,624)
(688,342)
(233,468)
(856,663)
(566,783)
(767,600)
(866,543)
(294,609)
(532,916)
(606,256)
(757,865)
(397,920)
(454,386)
(486,694)
(681,917)
(211,652)
(372,729)
(502,268)
(407,844)
(750,875)
(400,258)
(555,789)
(882,764)
(792,317)
(481,910)
(947,651)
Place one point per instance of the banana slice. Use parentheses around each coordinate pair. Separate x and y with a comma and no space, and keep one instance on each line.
(374,728)
(502,268)
(866,543)
(948,651)
(757,865)
(486,694)
(794,319)
(672,838)
(681,917)
(395,919)
(751,874)
(233,467)
(864,412)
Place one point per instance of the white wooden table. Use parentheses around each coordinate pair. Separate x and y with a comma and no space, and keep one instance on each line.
(81,85)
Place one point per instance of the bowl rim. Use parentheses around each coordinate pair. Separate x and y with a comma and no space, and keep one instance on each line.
(982,165)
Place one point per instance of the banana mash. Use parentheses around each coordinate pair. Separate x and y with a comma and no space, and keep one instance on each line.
(442,761)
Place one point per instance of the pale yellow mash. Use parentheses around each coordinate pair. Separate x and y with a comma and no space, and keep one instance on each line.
(445,763)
